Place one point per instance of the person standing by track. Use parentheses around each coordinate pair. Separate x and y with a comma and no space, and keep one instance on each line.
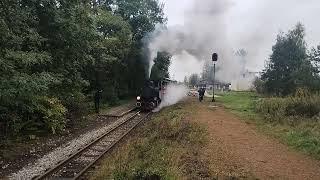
(97,97)
(201,91)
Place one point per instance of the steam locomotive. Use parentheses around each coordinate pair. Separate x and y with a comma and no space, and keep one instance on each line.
(152,94)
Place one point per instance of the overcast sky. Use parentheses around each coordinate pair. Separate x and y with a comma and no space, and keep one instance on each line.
(251,24)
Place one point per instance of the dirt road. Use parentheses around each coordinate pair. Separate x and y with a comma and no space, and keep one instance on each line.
(236,149)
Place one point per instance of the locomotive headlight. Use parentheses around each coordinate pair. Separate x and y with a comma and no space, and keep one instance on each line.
(138,98)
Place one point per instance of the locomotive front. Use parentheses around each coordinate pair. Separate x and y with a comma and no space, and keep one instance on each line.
(150,96)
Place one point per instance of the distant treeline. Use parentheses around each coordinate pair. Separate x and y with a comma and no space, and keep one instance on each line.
(54,54)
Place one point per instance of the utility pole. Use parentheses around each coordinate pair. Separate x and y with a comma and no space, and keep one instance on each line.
(214,59)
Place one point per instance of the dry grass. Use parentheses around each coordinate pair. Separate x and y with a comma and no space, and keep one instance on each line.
(167,147)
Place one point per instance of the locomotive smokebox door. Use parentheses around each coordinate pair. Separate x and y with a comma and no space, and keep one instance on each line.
(214,57)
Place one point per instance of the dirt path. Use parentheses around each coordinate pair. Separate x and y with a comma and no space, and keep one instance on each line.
(236,149)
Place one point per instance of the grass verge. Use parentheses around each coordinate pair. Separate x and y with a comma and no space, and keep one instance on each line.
(166,147)
(303,136)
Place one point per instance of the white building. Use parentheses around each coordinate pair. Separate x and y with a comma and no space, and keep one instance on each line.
(244,81)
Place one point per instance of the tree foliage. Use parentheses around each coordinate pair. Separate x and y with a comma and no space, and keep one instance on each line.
(55,53)
(207,72)
(160,69)
(315,58)
(194,80)
(290,67)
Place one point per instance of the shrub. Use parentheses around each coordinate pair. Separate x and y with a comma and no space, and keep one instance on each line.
(77,105)
(303,104)
(110,95)
(39,114)
(259,85)
(272,108)
(52,113)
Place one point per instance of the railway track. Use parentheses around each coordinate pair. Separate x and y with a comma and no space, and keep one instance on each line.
(77,164)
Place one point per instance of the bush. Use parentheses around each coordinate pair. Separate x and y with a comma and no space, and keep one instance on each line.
(38,114)
(110,95)
(52,114)
(259,85)
(272,108)
(77,105)
(303,104)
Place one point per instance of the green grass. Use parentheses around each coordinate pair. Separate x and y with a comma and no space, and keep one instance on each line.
(238,101)
(303,136)
(164,148)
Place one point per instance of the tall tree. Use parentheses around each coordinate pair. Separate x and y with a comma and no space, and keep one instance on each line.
(26,78)
(207,72)
(194,79)
(315,58)
(160,69)
(110,52)
(55,53)
(289,66)
(242,57)
(142,15)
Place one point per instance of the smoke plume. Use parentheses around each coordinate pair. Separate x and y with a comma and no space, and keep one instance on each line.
(224,26)
(204,31)
(174,93)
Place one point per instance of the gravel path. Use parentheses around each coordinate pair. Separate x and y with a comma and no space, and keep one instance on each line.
(236,149)
(60,153)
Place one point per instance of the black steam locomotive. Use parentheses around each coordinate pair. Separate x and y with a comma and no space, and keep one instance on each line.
(152,94)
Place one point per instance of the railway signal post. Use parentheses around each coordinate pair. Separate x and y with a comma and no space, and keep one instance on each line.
(214,60)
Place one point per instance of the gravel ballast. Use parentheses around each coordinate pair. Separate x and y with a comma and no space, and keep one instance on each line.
(62,152)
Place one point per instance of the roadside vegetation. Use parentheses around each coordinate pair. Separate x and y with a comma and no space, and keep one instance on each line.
(287,102)
(167,147)
(292,119)
(55,54)
(291,66)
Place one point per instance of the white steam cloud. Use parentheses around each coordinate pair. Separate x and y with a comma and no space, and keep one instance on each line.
(204,31)
(174,93)
(224,26)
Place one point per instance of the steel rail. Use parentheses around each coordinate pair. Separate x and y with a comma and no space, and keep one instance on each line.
(109,148)
(81,150)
